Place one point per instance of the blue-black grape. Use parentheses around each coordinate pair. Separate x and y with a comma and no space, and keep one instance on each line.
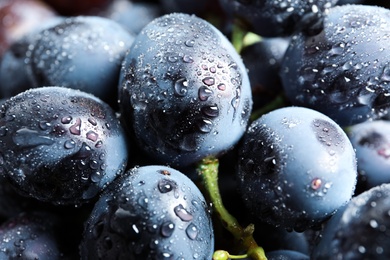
(343,71)
(263,60)
(273,18)
(151,212)
(83,52)
(30,236)
(60,145)
(371,140)
(296,168)
(184,91)
(358,230)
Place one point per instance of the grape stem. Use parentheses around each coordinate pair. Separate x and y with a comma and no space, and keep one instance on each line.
(208,169)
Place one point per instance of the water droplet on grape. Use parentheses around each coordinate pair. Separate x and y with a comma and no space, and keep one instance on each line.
(204,93)
(69,144)
(66,120)
(76,127)
(167,228)
(192,231)
(209,81)
(211,111)
(182,213)
(181,87)
(166,185)
(91,135)
(26,138)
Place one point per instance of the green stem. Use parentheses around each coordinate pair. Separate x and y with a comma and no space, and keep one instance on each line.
(208,169)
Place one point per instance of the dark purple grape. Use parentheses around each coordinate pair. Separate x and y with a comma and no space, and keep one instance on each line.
(343,71)
(151,212)
(274,18)
(286,255)
(359,230)
(60,145)
(263,60)
(83,52)
(371,140)
(184,91)
(30,236)
(133,16)
(296,168)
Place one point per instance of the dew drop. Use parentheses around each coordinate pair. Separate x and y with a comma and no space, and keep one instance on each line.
(69,144)
(188,59)
(204,93)
(143,201)
(209,81)
(66,119)
(96,177)
(167,229)
(44,125)
(26,138)
(166,185)
(92,121)
(3,130)
(182,213)
(205,125)
(189,43)
(181,87)
(99,144)
(192,231)
(91,135)
(221,86)
(84,152)
(76,127)
(211,111)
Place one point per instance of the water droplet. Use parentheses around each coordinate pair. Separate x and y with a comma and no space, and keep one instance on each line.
(69,144)
(211,111)
(166,185)
(204,93)
(3,130)
(189,43)
(44,125)
(182,213)
(172,58)
(91,135)
(94,165)
(209,81)
(99,144)
(192,231)
(84,152)
(167,229)
(96,177)
(66,120)
(92,121)
(26,138)
(143,201)
(221,86)
(76,127)
(205,125)
(188,59)
(181,87)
